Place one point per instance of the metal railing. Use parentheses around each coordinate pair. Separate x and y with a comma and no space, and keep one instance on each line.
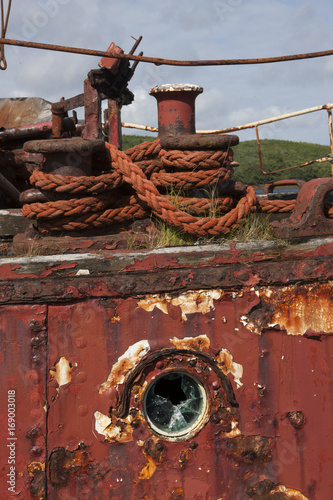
(328,107)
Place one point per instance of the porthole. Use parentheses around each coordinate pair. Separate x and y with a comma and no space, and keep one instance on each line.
(175,404)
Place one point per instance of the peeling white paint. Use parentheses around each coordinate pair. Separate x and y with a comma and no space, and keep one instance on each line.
(125,364)
(113,432)
(227,365)
(234,430)
(83,272)
(190,302)
(200,342)
(63,371)
(101,422)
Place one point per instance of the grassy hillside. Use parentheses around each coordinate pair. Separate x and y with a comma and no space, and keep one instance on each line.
(275,155)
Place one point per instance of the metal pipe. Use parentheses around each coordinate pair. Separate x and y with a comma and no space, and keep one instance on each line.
(29,131)
(269,120)
(242,127)
(168,62)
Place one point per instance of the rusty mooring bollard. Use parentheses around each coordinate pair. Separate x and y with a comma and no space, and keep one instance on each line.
(66,156)
(176,119)
(176,107)
(63,157)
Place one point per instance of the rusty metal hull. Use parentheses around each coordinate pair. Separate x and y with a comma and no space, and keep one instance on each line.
(84,335)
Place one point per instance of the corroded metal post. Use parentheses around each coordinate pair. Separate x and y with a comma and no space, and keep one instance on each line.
(92,111)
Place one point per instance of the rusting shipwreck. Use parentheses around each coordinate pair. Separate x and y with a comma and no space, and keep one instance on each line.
(197,372)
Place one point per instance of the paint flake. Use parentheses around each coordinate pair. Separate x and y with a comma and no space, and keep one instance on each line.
(190,302)
(63,371)
(227,365)
(125,364)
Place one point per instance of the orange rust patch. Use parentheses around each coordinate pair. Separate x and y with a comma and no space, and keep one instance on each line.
(288,492)
(201,343)
(34,467)
(297,309)
(148,469)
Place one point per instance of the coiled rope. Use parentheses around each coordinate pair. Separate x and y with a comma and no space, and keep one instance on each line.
(137,186)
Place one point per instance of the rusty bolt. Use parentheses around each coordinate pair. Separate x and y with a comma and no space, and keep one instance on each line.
(81,377)
(81,342)
(307,269)
(35,341)
(34,432)
(192,362)
(243,276)
(215,385)
(160,446)
(297,419)
(160,365)
(36,359)
(36,450)
(83,410)
(193,445)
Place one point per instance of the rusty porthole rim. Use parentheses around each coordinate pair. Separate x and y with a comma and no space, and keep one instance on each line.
(123,407)
(198,424)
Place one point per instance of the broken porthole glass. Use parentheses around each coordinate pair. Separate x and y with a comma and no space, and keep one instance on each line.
(175,403)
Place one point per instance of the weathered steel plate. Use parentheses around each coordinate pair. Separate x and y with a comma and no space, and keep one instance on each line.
(250,323)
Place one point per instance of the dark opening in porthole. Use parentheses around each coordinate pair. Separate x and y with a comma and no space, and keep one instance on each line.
(175,403)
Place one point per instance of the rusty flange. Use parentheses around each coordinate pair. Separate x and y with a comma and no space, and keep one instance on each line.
(199,141)
(308,218)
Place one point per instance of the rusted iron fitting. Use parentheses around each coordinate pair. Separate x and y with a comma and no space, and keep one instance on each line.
(308,218)
(176,119)
(58,115)
(269,186)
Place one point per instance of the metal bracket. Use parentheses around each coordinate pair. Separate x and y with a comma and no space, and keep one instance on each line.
(308,218)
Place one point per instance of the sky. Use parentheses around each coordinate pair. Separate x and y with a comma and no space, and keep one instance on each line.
(189,30)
